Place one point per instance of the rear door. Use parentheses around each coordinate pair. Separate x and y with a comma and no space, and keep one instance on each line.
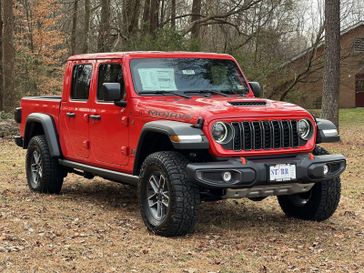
(109,135)
(74,114)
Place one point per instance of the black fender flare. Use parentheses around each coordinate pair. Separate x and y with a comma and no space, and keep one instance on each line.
(186,136)
(47,123)
(326,131)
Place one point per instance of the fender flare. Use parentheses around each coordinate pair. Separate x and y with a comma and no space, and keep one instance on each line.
(185,136)
(47,123)
(326,131)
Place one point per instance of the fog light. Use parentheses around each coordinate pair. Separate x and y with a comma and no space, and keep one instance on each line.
(326,169)
(226,176)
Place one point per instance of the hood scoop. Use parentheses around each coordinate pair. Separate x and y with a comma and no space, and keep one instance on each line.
(248,103)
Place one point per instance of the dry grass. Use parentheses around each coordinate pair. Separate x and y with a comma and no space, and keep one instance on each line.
(94,226)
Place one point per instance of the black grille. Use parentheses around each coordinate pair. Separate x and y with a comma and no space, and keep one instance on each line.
(247,103)
(257,135)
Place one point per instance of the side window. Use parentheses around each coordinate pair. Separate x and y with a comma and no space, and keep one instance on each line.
(109,73)
(81,78)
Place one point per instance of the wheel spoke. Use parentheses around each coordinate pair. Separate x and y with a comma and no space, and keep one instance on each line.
(151,203)
(40,171)
(162,182)
(165,203)
(36,156)
(153,195)
(159,209)
(153,182)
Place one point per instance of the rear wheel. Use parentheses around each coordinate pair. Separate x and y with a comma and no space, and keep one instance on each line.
(44,174)
(168,199)
(317,204)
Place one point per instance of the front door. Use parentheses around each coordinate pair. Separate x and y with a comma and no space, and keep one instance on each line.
(74,113)
(359,90)
(109,135)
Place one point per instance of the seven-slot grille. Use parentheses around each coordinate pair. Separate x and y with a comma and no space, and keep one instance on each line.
(257,135)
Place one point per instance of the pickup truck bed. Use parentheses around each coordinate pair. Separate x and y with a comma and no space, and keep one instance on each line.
(40,104)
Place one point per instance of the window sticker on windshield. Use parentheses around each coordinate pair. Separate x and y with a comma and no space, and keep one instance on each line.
(157,79)
(188,72)
(239,87)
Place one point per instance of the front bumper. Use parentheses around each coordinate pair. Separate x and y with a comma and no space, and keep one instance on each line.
(251,173)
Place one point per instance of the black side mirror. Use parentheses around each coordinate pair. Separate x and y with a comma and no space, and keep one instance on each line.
(257,89)
(112,92)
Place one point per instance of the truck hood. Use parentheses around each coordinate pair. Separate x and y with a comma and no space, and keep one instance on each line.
(216,107)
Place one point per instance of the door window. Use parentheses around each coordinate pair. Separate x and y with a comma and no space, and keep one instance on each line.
(81,78)
(109,73)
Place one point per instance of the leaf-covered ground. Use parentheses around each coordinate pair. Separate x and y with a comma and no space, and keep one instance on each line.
(94,226)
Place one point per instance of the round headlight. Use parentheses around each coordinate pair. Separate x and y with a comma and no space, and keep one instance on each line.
(304,129)
(221,132)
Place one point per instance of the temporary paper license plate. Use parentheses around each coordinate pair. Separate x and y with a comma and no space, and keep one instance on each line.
(282,172)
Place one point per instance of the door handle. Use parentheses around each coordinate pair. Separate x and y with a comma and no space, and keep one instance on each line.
(95,117)
(70,114)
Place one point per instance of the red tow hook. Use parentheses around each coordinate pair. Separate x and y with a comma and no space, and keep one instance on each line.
(243,160)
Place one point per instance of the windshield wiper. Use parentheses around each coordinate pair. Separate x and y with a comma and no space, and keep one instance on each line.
(206,92)
(166,92)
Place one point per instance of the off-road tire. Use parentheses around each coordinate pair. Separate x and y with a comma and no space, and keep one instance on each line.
(323,198)
(184,196)
(51,180)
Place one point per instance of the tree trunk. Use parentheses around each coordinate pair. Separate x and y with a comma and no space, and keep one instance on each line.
(196,11)
(146,16)
(1,59)
(173,14)
(161,19)
(104,29)
(131,10)
(154,12)
(86,26)
(74,27)
(9,96)
(331,77)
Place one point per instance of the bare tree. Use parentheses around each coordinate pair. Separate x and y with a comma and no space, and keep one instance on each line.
(131,9)
(8,56)
(1,59)
(173,14)
(331,77)
(196,12)
(104,28)
(74,26)
(146,15)
(86,26)
(154,16)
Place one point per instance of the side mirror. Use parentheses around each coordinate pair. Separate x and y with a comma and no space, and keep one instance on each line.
(257,89)
(112,92)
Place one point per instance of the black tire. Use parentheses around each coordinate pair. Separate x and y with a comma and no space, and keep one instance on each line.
(184,197)
(318,204)
(51,175)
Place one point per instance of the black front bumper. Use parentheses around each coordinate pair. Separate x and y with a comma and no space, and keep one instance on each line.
(255,172)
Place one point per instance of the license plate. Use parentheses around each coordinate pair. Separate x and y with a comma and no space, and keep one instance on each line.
(282,172)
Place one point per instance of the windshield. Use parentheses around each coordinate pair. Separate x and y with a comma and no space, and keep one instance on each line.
(186,75)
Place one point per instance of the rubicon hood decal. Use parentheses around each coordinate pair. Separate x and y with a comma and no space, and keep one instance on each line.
(171,115)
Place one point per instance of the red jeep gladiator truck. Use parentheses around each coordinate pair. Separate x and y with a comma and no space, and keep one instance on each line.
(184,128)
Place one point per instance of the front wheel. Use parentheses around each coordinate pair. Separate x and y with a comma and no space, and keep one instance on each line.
(168,199)
(317,204)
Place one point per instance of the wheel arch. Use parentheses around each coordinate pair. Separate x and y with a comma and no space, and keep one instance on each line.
(156,136)
(42,124)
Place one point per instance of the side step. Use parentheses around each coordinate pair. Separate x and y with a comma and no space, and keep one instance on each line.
(104,173)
